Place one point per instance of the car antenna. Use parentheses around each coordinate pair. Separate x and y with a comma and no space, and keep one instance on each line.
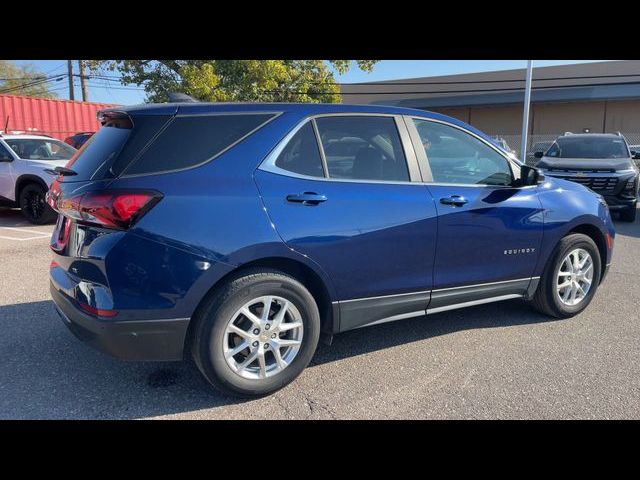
(179,97)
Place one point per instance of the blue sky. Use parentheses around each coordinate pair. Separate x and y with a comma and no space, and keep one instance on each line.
(113,92)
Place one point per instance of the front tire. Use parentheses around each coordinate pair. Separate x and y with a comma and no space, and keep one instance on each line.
(570,278)
(245,349)
(33,205)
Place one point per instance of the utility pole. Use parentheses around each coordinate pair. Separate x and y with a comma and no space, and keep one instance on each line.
(83,81)
(70,74)
(525,116)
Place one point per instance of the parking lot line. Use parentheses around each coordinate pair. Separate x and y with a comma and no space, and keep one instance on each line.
(22,234)
(26,230)
(20,239)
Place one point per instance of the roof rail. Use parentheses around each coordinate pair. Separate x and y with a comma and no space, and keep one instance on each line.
(619,134)
(566,133)
(179,97)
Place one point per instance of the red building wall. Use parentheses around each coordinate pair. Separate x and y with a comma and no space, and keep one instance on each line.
(57,118)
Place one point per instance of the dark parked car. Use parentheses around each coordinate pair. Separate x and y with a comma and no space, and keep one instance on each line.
(79,139)
(602,162)
(241,234)
(536,147)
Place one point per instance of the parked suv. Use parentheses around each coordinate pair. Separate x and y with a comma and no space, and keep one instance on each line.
(602,162)
(241,234)
(24,180)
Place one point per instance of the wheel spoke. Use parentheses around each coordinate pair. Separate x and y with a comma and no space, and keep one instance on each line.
(236,350)
(563,274)
(588,269)
(575,260)
(574,291)
(281,363)
(263,365)
(266,309)
(250,316)
(289,326)
(238,331)
(579,287)
(277,320)
(564,285)
(284,342)
(250,359)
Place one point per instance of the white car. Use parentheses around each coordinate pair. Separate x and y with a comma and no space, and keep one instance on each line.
(24,181)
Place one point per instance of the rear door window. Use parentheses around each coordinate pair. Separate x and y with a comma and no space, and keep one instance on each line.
(363,148)
(192,140)
(302,155)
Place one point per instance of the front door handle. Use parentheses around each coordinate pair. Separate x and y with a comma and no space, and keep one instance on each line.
(455,200)
(306,198)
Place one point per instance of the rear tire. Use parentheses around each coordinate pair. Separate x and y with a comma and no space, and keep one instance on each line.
(218,319)
(548,297)
(629,215)
(34,206)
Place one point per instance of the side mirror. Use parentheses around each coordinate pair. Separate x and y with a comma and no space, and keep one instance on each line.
(530,176)
(538,154)
(635,155)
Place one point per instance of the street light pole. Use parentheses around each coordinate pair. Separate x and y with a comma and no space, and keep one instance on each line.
(525,116)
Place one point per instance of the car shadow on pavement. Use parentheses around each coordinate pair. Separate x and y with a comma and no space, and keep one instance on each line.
(47,373)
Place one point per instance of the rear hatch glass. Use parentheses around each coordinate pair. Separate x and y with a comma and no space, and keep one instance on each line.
(107,153)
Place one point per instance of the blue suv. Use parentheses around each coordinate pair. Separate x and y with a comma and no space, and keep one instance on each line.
(241,234)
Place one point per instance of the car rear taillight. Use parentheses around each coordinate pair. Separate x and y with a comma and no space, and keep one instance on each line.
(97,311)
(108,208)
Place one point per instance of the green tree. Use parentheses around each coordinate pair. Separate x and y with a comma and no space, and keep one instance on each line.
(23,80)
(234,80)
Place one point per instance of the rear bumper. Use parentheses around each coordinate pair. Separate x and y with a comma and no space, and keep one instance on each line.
(146,340)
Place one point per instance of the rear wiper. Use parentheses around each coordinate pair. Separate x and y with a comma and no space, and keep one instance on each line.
(62,171)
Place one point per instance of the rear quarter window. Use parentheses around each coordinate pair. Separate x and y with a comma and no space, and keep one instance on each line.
(192,140)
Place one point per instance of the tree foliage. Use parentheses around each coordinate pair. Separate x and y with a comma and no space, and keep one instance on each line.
(235,80)
(23,80)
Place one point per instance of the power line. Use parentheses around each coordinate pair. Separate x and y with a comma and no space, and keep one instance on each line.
(429,82)
(500,89)
(30,84)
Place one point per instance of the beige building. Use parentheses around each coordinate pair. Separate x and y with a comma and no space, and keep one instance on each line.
(600,97)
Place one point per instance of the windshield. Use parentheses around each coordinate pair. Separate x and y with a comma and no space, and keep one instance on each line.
(581,147)
(40,149)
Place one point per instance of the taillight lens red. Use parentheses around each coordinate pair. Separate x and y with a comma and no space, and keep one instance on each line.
(109,208)
(97,311)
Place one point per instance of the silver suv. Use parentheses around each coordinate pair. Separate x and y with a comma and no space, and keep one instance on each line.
(24,180)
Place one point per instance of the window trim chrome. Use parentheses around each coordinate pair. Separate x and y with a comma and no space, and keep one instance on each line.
(269,163)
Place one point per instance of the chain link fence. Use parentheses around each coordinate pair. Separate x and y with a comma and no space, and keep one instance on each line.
(538,142)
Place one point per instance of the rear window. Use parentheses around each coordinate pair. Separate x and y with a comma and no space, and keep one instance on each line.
(113,147)
(190,141)
(582,147)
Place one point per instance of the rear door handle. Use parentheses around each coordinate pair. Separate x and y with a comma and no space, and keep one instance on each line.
(455,200)
(306,198)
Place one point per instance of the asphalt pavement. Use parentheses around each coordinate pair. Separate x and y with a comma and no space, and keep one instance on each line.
(499,360)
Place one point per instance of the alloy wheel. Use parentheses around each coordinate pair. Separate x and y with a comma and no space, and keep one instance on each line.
(263,337)
(575,277)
